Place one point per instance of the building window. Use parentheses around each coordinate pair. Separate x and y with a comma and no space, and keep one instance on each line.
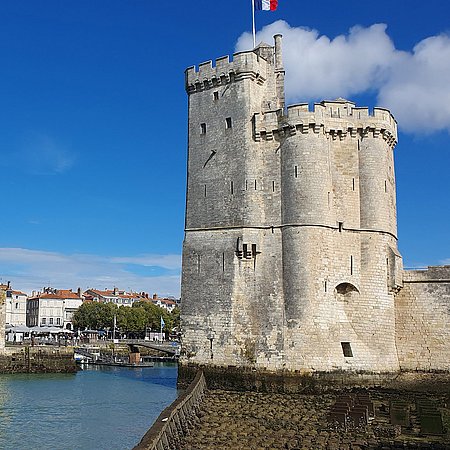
(296,171)
(347,349)
(203,128)
(17,306)
(51,320)
(43,321)
(216,95)
(58,321)
(228,122)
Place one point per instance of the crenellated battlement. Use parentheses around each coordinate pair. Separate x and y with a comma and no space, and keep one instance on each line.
(244,65)
(337,118)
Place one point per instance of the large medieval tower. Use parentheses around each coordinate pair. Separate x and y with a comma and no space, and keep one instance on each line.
(290,257)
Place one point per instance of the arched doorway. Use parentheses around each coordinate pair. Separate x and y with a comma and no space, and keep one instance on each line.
(346,291)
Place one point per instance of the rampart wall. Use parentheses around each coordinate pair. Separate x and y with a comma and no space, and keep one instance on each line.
(423,320)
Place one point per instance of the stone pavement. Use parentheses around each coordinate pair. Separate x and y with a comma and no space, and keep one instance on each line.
(254,421)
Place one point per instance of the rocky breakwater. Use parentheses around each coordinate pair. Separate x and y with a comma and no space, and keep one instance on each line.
(253,421)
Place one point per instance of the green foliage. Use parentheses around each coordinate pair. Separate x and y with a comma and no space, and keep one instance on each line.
(95,315)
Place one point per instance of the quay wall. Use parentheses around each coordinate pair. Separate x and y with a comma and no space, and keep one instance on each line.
(177,419)
(37,360)
(288,382)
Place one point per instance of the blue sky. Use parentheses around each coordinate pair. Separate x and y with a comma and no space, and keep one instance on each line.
(93,121)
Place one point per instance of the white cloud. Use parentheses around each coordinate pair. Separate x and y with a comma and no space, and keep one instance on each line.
(418,87)
(30,270)
(166,261)
(414,85)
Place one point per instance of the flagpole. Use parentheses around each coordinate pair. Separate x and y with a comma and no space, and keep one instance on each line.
(253,17)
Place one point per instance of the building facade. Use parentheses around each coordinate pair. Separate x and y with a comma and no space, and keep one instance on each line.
(116,296)
(290,257)
(16,307)
(53,307)
(2,317)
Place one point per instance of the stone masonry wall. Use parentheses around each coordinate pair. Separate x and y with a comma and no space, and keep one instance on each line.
(37,360)
(423,320)
(290,258)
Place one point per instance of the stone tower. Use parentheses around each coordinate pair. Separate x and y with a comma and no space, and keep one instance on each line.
(290,259)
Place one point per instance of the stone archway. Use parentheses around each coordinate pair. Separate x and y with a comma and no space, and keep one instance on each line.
(348,296)
(346,292)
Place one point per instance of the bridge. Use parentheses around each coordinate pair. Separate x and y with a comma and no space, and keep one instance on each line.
(170,348)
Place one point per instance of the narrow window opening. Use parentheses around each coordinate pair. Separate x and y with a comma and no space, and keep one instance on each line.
(341,226)
(273,186)
(353,183)
(385,186)
(255,185)
(198,263)
(325,285)
(296,171)
(347,349)
(216,95)
(328,199)
(244,250)
(359,146)
(253,250)
(211,346)
(203,128)
(246,184)
(205,190)
(351,265)
(223,262)
(232,187)
(228,122)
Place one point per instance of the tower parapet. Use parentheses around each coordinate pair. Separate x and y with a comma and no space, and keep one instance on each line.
(337,118)
(244,65)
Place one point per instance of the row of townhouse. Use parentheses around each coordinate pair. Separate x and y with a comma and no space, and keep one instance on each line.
(122,298)
(55,307)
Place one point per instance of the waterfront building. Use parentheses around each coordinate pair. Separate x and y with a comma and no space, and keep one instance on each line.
(116,296)
(290,256)
(16,307)
(166,303)
(2,316)
(53,307)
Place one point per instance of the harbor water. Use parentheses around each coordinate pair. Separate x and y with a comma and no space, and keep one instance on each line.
(98,408)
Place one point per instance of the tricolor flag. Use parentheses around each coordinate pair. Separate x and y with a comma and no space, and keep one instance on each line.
(266,5)
(162,322)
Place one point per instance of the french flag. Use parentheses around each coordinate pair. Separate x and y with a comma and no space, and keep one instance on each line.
(266,5)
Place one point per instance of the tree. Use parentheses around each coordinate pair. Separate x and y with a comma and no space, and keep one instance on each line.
(95,315)
(153,314)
